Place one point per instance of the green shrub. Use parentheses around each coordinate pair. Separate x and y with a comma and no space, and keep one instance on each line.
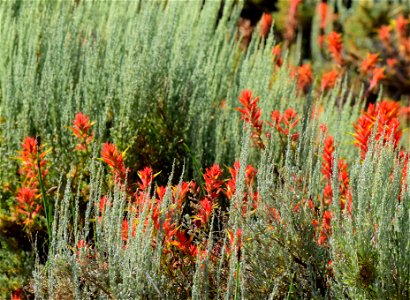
(161,80)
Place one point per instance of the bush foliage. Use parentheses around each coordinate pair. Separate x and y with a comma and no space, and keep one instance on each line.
(148,151)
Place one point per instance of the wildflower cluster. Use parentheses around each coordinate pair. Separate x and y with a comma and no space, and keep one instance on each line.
(82,131)
(345,196)
(178,219)
(284,124)
(251,113)
(115,160)
(335,47)
(32,171)
(182,237)
(385,62)
(304,77)
(391,61)
(343,177)
(329,80)
(326,213)
(385,114)
(249,193)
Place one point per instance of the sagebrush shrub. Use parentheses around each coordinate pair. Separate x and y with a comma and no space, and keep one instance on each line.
(158,158)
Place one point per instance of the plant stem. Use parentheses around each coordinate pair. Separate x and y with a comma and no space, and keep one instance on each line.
(47,207)
(238,267)
(196,165)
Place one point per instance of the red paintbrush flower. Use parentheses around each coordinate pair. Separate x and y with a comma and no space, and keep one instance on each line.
(304,77)
(115,160)
(31,159)
(328,193)
(327,164)
(156,207)
(213,181)
(329,80)
(290,118)
(27,205)
(377,76)
(235,242)
(386,113)
(81,244)
(81,126)
(276,52)
(249,105)
(325,228)
(161,190)
(101,207)
(250,174)
(82,130)
(274,215)
(28,157)
(344,186)
(285,123)
(169,228)
(389,109)
(146,177)
(204,213)
(29,164)
(406,157)
(180,192)
(29,146)
(401,27)
(125,228)
(384,34)
(275,117)
(369,63)
(322,238)
(230,187)
(266,23)
(322,11)
(251,113)
(335,46)
(16,294)
(194,251)
(155,216)
(181,241)
(343,176)
(102,204)
(363,130)
(327,217)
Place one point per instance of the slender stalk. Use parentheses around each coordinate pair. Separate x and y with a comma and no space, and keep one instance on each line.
(46,204)
(196,165)
(238,268)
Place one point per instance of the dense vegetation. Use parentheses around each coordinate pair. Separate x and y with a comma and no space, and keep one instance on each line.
(156,149)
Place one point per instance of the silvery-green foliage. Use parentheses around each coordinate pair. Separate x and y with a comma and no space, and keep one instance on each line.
(142,65)
(140,69)
(279,258)
(369,251)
